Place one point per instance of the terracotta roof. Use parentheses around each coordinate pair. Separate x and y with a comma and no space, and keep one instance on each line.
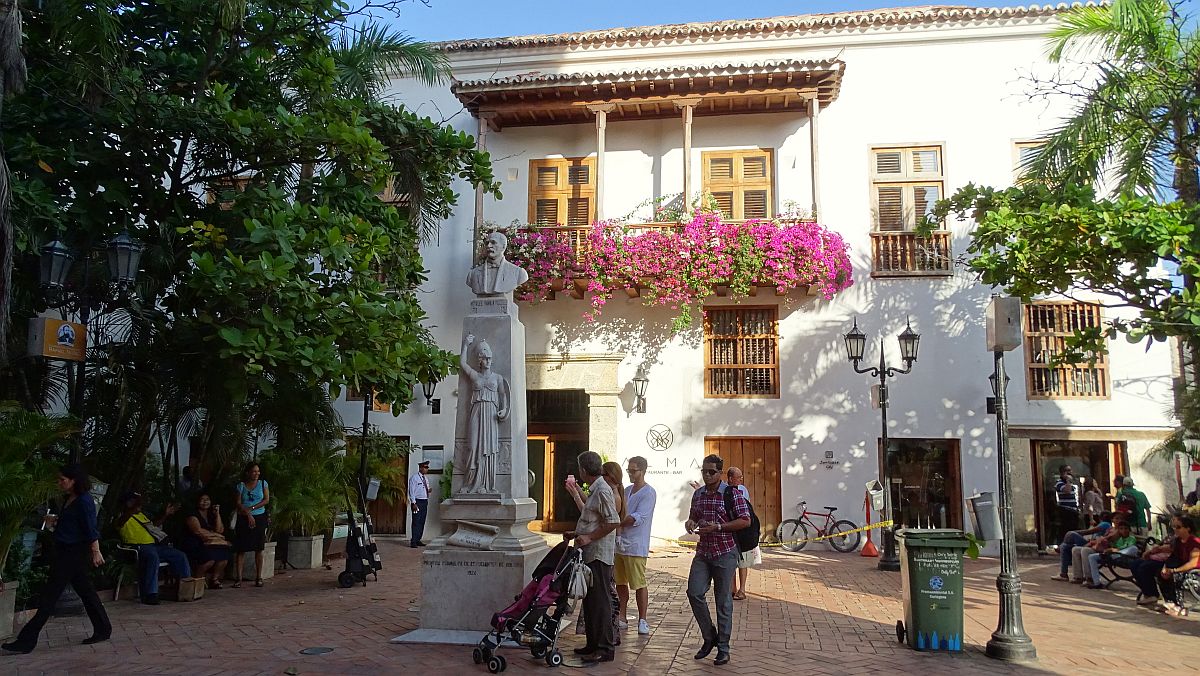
(929,14)
(536,80)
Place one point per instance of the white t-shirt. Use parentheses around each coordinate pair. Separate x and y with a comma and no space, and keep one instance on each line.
(635,540)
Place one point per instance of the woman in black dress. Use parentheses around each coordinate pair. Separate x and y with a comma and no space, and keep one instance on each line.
(76,549)
(205,541)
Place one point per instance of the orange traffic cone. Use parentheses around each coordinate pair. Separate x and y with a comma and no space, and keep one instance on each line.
(869,548)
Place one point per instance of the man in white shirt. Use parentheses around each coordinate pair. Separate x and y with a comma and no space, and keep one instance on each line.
(748,559)
(633,544)
(418,500)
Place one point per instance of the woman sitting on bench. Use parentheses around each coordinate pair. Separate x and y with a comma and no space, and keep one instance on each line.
(1155,576)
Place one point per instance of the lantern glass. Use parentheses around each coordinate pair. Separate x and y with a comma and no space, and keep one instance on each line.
(427,388)
(55,265)
(992,381)
(909,340)
(856,343)
(640,382)
(124,256)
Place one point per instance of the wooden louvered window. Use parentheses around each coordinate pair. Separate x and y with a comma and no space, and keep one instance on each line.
(1047,327)
(740,183)
(1024,152)
(905,185)
(224,191)
(741,352)
(562,191)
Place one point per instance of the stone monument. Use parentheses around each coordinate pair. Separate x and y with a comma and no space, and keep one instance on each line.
(487,553)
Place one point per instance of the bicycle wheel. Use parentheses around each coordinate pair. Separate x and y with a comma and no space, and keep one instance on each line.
(841,539)
(792,534)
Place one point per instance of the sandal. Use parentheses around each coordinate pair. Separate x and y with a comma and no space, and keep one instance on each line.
(237,584)
(740,596)
(258,582)
(213,584)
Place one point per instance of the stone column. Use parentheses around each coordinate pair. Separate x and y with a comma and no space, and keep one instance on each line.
(601,110)
(486,120)
(814,110)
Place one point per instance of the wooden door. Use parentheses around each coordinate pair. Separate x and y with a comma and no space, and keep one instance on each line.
(759,460)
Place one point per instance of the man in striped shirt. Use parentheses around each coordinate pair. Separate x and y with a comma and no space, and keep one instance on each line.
(717,556)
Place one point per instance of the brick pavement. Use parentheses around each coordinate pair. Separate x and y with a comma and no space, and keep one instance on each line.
(809,613)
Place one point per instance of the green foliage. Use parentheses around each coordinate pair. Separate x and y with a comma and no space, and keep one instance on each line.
(307,486)
(1033,240)
(974,545)
(29,574)
(446,483)
(27,467)
(383,463)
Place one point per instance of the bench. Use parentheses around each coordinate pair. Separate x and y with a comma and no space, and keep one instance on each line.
(1115,568)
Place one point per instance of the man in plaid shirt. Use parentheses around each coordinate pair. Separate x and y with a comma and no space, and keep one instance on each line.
(717,557)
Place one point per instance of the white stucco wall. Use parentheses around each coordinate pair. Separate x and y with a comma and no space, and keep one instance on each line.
(959,87)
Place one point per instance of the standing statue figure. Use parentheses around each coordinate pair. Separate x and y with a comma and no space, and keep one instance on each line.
(495,276)
(489,405)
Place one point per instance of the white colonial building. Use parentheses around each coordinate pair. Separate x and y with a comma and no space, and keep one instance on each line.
(862,119)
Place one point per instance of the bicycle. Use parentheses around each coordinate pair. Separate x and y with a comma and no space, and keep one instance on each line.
(793,534)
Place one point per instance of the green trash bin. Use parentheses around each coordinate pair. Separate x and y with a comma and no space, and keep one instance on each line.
(931,570)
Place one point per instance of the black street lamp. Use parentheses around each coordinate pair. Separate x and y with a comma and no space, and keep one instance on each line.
(427,388)
(640,383)
(124,256)
(856,343)
(1009,642)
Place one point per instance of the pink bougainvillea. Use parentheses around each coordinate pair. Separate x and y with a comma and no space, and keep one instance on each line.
(679,266)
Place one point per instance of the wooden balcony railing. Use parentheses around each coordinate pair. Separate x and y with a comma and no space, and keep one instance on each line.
(905,254)
(576,236)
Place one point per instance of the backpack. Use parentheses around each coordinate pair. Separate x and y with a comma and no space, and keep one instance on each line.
(1126,502)
(746,538)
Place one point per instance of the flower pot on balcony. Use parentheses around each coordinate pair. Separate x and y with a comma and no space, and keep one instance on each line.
(306,552)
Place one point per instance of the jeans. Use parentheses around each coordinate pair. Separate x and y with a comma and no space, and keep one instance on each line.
(418,521)
(1094,563)
(719,572)
(1145,575)
(1069,542)
(70,566)
(149,557)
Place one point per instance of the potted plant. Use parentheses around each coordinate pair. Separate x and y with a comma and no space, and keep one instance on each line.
(26,480)
(306,489)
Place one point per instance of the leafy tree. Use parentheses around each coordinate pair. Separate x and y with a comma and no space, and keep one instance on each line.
(189,124)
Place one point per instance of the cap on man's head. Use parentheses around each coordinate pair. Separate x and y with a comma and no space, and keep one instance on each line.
(1128,481)
(423,463)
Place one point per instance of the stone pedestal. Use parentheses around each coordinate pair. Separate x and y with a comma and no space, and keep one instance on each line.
(487,553)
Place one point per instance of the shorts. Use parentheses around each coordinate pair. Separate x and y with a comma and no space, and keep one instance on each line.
(631,571)
(750,559)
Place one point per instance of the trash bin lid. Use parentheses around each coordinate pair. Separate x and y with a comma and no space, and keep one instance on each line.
(933,537)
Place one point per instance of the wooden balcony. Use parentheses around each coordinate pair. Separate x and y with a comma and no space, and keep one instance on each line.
(577,238)
(906,254)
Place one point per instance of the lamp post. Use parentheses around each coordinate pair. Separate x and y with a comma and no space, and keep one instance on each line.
(856,343)
(640,383)
(124,256)
(427,388)
(1009,642)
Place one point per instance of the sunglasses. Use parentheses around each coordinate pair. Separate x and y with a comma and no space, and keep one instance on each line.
(710,472)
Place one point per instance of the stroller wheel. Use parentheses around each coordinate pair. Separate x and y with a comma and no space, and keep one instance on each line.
(554,658)
(494,665)
(477,656)
(346,580)
(539,651)
(503,662)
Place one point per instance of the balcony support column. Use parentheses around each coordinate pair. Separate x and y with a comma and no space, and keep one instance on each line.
(486,121)
(687,107)
(814,110)
(601,111)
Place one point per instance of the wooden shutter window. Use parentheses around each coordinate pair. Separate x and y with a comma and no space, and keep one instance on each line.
(890,211)
(741,355)
(740,182)
(1047,327)
(905,184)
(889,163)
(562,191)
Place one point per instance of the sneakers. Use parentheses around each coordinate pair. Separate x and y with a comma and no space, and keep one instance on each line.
(622,624)
(643,627)
(1061,577)
(1147,600)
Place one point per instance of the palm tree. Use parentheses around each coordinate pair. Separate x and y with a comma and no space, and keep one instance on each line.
(12,81)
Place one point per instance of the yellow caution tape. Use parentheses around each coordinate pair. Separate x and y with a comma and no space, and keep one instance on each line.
(881,524)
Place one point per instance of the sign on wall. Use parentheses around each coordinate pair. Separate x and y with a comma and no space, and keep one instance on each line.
(56,339)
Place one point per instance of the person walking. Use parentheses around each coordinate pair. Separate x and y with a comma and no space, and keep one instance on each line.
(633,543)
(1140,512)
(594,534)
(1066,494)
(746,560)
(418,501)
(76,548)
(716,557)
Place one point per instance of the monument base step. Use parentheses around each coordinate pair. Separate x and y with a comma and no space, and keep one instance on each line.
(446,637)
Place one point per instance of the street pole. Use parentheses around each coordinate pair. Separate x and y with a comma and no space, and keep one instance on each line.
(889,560)
(368,395)
(77,397)
(1009,642)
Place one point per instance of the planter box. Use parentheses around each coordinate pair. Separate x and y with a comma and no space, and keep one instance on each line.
(248,563)
(306,552)
(8,606)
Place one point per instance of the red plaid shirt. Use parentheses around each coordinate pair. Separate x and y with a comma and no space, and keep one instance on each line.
(710,506)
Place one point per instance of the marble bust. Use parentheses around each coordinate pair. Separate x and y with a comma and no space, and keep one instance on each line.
(495,275)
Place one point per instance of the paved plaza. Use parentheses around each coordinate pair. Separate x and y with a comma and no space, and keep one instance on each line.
(808,613)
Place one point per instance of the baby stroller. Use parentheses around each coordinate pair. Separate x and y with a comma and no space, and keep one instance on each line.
(534,618)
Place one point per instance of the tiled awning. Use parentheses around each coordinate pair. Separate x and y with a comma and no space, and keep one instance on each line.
(535,99)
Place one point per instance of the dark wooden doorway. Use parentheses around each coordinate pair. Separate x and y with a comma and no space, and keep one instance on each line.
(558,433)
(759,460)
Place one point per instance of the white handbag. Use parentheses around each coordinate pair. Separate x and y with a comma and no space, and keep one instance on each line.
(581,580)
